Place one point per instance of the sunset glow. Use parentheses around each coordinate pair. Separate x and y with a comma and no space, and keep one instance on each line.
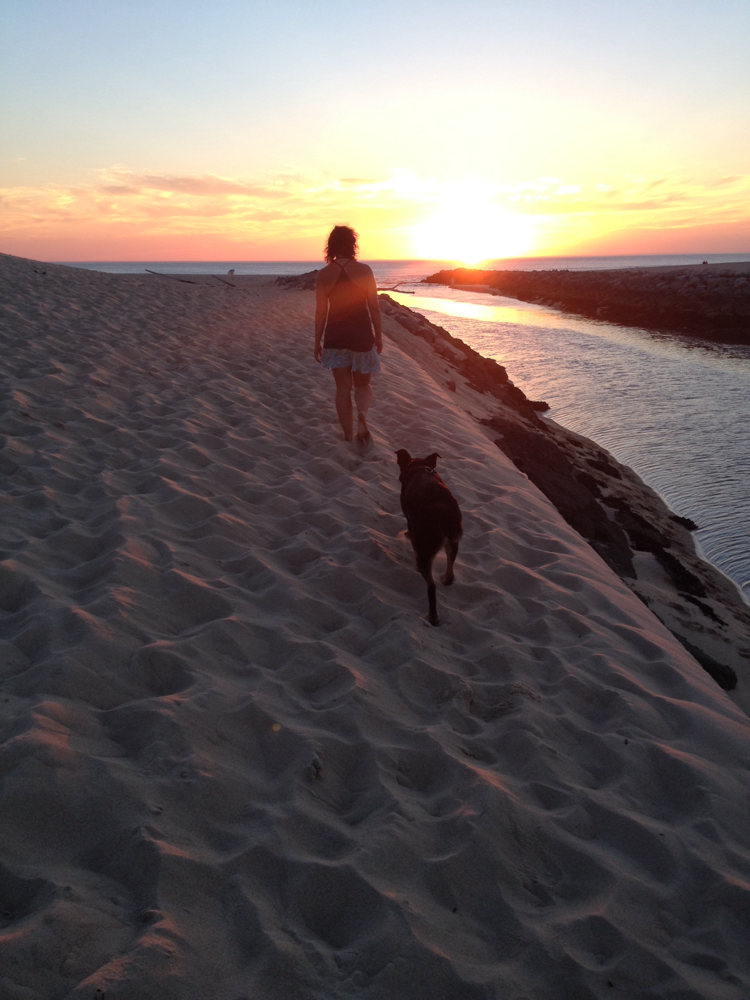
(227,132)
(470,228)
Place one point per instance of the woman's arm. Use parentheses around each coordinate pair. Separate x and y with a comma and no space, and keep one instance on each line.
(321,312)
(374,307)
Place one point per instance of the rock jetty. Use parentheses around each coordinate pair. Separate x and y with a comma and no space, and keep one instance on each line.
(710,301)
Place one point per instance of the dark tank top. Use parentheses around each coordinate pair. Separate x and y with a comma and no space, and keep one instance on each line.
(348,326)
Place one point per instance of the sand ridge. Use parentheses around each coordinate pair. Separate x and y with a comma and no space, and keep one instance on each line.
(235,760)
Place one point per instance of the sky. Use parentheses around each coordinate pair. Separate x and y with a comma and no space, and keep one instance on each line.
(245,129)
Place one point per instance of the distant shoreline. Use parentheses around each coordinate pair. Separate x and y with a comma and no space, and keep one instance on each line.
(416,269)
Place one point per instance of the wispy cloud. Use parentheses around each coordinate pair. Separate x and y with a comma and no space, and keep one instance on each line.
(290,205)
(570,215)
(183,203)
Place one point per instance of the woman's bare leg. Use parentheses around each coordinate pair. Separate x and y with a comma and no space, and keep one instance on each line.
(344,409)
(362,398)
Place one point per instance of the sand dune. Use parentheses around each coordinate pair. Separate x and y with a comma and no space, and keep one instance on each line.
(235,760)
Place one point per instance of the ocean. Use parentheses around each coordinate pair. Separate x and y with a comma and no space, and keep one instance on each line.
(675,409)
(391,272)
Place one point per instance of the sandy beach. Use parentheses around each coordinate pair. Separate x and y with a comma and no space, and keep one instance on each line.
(236,763)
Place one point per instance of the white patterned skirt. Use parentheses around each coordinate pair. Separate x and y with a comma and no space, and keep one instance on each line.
(358,361)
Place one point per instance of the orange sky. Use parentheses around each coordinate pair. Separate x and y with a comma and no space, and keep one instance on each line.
(122,216)
(238,131)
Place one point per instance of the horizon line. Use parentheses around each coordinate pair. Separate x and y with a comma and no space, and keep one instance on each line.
(385,260)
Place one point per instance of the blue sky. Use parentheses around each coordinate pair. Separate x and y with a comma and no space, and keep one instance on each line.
(501,93)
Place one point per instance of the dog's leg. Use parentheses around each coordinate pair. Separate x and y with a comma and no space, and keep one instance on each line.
(451,551)
(425,568)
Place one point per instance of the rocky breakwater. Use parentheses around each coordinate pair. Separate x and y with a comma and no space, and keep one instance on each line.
(711,301)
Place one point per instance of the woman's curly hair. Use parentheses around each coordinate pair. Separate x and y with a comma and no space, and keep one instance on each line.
(342,242)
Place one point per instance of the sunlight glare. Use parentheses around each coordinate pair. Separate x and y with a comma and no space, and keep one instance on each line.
(469,227)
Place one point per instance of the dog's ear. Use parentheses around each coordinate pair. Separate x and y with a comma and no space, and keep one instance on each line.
(431,460)
(403,458)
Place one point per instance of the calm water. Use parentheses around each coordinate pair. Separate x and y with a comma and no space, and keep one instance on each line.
(674,409)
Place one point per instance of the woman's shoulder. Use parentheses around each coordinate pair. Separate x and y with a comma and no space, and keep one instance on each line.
(361,273)
(326,274)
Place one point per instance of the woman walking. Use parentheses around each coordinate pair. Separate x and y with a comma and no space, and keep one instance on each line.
(347,313)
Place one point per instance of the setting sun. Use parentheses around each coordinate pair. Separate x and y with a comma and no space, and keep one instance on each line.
(471,228)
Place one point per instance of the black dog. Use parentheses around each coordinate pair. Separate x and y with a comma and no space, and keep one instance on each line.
(432,516)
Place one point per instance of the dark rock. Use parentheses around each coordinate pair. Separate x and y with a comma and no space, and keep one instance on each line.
(724,676)
(706,609)
(305,282)
(681,576)
(604,465)
(684,521)
(551,471)
(643,536)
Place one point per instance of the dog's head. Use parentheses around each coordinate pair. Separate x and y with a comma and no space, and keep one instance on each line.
(407,463)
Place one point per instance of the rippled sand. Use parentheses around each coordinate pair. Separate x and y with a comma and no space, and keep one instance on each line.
(237,762)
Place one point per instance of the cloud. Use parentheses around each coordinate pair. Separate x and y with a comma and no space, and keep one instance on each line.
(154,203)
(660,198)
(117,203)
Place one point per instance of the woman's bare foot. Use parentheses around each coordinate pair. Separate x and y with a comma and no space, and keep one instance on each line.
(363,433)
